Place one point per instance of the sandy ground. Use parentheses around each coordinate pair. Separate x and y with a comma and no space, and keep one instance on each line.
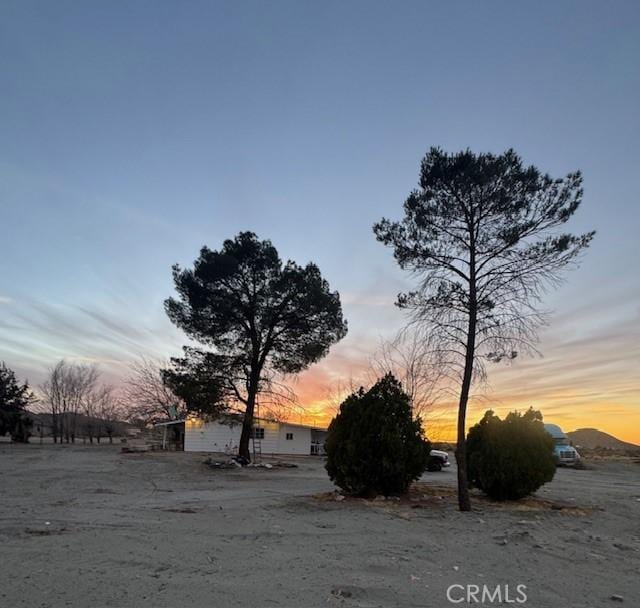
(92,527)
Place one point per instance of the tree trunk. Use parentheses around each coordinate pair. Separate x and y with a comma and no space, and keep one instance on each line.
(464,502)
(247,426)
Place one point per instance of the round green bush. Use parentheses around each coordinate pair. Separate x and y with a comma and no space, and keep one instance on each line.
(511,458)
(374,445)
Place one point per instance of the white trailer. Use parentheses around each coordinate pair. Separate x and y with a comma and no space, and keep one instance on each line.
(223,436)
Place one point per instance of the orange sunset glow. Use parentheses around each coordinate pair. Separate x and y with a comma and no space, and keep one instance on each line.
(582,378)
(569,408)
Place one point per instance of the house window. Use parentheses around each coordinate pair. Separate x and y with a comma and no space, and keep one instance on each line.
(257,432)
(289,436)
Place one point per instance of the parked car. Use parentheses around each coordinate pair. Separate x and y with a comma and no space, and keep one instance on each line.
(563,450)
(437,460)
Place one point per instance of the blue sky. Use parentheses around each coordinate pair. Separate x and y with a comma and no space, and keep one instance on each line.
(134,133)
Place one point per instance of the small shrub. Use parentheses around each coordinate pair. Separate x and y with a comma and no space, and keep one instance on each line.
(14,400)
(511,458)
(374,445)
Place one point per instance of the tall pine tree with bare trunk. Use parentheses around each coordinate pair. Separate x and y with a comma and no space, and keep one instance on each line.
(482,233)
(255,316)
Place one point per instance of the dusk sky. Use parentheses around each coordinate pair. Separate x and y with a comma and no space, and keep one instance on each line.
(131,134)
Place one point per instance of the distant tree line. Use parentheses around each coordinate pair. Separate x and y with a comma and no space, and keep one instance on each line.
(78,404)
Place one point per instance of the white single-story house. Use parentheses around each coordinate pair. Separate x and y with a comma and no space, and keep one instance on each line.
(268,437)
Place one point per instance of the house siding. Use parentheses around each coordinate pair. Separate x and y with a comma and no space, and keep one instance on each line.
(300,444)
(200,436)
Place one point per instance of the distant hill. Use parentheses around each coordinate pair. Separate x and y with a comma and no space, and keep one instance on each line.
(593,439)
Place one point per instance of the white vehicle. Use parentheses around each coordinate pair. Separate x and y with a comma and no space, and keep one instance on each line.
(564,452)
(438,460)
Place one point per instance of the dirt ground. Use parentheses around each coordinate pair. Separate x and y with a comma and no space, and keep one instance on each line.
(92,527)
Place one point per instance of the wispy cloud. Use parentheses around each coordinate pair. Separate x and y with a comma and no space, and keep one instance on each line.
(34,336)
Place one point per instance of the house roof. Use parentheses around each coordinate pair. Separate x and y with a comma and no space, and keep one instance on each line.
(237,418)
(169,422)
(302,426)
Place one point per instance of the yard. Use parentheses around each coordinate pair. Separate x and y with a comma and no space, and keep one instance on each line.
(91,526)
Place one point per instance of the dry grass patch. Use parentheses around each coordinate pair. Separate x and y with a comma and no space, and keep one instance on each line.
(427,496)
